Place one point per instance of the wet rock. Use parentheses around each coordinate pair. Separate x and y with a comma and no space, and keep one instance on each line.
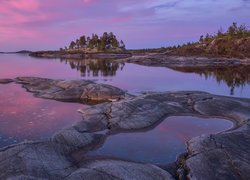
(5,81)
(71,90)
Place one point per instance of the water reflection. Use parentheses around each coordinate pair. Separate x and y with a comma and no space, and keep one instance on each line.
(24,117)
(162,144)
(95,67)
(233,76)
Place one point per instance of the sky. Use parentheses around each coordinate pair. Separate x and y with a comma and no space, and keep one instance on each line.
(51,24)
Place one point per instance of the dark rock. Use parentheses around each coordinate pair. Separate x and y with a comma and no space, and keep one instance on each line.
(170,61)
(5,81)
(80,55)
(71,90)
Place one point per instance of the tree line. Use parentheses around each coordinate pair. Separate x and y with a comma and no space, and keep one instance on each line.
(104,42)
(233,31)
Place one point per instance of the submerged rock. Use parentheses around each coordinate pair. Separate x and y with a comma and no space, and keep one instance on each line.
(84,91)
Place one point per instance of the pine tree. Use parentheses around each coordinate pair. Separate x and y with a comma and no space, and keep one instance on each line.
(77,43)
(82,41)
(72,45)
(122,45)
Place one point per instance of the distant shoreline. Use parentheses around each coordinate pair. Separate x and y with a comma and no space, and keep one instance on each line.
(17,52)
(81,54)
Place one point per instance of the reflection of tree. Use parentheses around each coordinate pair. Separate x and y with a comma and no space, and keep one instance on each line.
(233,76)
(94,67)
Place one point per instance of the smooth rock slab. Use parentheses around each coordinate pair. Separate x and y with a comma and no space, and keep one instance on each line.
(37,159)
(43,160)
(147,110)
(84,91)
(117,169)
(222,156)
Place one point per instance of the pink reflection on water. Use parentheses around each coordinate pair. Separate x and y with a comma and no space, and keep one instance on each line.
(161,144)
(24,117)
(22,65)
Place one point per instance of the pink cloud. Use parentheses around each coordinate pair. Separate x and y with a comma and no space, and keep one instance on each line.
(46,24)
(26,5)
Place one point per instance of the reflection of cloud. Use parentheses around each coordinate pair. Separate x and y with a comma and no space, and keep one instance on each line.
(141,23)
(23,116)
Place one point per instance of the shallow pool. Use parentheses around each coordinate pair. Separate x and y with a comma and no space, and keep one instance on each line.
(162,144)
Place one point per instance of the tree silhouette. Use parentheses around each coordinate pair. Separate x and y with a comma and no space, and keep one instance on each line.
(104,42)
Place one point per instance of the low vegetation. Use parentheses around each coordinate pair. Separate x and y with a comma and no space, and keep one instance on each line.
(235,42)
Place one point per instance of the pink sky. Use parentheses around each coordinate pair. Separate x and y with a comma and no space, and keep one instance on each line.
(51,24)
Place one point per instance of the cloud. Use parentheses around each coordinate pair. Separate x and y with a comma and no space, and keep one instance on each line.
(50,24)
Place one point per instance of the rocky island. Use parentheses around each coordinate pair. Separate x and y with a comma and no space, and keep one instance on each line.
(105,47)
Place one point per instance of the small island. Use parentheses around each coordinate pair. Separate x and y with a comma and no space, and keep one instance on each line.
(105,46)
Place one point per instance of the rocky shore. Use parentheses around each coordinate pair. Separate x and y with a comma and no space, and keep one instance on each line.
(80,55)
(84,91)
(220,156)
(165,60)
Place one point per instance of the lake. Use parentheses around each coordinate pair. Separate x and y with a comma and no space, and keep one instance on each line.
(24,117)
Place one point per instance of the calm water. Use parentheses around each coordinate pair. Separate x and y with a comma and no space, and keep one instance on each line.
(23,116)
(162,144)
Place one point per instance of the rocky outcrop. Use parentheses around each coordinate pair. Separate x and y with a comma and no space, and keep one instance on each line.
(43,160)
(171,61)
(83,91)
(144,111)
(220,156)
(117,169)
